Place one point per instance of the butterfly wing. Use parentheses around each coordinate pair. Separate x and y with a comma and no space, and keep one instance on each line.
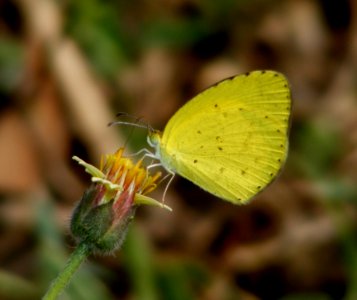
(231,139)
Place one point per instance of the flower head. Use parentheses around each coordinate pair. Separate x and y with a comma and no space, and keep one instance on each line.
(102,216)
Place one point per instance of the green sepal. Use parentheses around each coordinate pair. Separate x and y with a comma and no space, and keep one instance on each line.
(115,235)
(97,226)
(81,211)
(141,199)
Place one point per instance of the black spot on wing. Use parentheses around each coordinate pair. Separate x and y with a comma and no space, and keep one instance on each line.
(219,139)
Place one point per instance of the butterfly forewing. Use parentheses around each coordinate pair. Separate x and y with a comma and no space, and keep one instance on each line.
(231,139)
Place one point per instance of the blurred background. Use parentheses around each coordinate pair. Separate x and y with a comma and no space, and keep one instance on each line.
(67,67)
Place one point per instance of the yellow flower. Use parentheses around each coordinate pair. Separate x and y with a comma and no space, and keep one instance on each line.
(102,216)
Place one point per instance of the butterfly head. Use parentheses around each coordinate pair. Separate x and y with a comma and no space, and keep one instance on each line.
(154,140)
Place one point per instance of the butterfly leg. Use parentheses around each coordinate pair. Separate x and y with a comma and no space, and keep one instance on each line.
(169,173)
(144,150)
(172,174)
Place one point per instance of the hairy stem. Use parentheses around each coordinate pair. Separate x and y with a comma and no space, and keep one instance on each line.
(77,257)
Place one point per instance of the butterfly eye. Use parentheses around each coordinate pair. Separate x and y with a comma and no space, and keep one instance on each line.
(154,138)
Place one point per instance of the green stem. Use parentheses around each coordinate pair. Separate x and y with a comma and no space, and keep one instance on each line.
(77,257)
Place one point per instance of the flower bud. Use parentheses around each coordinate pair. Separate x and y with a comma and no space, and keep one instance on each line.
(102,216)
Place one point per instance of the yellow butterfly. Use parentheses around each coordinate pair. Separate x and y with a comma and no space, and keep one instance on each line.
(231,139)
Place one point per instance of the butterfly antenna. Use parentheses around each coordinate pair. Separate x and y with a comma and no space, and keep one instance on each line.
(139,125)
(137,122)
(149,128)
